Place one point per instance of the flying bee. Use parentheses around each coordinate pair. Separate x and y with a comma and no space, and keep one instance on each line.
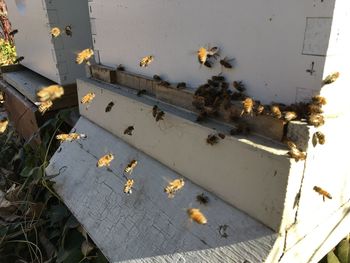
(276,112)
(128,186)
(105,160)
(50,93)
(44,106)
(248,105)
(290,115)
(68,31)
(225,63)
(84,56)
(3,125)
(70,137)
(196,215)
(160,116)
(316,120)
(331,78)
(146,61)
(208,64)
(17,60)
(131,166)
(121,67)
(109,106)
(181,85)
(202,199)
(173,187)
(129,130)
(318,137)
(212,139)
(157,78)
(202,55)
(294,152)
(13,32)
(88,98)
(322,192)
(55,32)
(239,86)
(155,110)
(319,100)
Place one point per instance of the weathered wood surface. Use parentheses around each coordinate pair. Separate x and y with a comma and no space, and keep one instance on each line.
(146,226)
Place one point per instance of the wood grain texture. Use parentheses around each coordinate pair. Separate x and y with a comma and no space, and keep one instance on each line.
(146,226)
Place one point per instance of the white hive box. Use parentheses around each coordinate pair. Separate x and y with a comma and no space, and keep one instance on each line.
(53,58)
(282,49)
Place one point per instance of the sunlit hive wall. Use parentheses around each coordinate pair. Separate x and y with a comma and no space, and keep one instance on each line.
(279,47)
(51,57)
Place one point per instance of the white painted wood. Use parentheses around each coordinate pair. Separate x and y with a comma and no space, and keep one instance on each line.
(52,58)
(146,226)
(227,169)
(266,38)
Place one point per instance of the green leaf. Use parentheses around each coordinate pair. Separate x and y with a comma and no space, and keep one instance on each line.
(332,258)
(343,250)
(57,213)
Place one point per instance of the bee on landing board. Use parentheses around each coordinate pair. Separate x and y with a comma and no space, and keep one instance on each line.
(109,106)
(239,85)
(141,92)
(87,98)
(276,112)
(290,115)
(68,31)
(226,63)
(121,67)
(70,137)
(197,216)
(294,152)
(248,105)
(316,120)
(331,78)
(129,130)
(212,139)
(160,116)
(131,166)
(128,186)
(145,61)
(173,187)
(84,56)
(105,160)
(202,199)
(50,93)
(3,125)
(322,192)
(55,32)
(157,78)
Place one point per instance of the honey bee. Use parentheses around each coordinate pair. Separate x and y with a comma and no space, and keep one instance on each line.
(87,98)
(160,116)
(181,85)
(212,139)
(109,106)
(3,125)
(290,115)
(196,215)
(221,135)
(157,78)
(155,110)
(314,108)
(17,60)
(131,166)
(322,192)
(68,31)
(84,56)
(70,137)
(260,109)
(105,160)
(294,152)
(214,51)
(2,99)
(248,105)
(202,199)
(44,106)
(238,96)
(141,92)
(331,78)
(208,64)
(173,187)
(121,67)
(319,100)
(276,112)
(128,186)
(225,63)
(202,55)
(129,130)
(316,120)
(146,61)
(55,32)
(50,93)
(239,86)
(13,32)
(318,137)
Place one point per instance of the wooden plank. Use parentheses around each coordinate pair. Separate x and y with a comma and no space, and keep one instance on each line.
(104,73)
(11,68)
(147,225)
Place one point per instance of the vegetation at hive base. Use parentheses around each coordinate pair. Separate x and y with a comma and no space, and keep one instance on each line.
(7,53)
(340,254)
(35,225)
